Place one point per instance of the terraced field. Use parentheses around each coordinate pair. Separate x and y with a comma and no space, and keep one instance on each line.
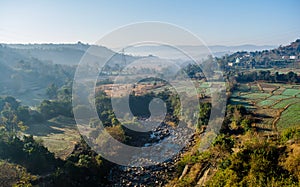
(199,87)
(290,117)
(278,97)
(255,96)
(291,92)
(285,102)
(278,103)
(267,102)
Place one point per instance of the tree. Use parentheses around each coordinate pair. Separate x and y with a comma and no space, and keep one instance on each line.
(10,122)
(246,124)
(291,77)
(204,114)
(14,104)
(51,109)
(52,91)
(65,93)
(23,113)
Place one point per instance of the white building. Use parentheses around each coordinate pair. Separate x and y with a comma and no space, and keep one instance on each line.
(230,64)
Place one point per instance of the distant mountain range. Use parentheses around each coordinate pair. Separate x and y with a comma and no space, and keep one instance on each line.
(197,52)
(70,54)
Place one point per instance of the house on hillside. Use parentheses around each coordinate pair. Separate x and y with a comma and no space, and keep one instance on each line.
(285,57)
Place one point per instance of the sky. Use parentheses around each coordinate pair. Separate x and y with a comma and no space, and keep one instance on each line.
(216,22)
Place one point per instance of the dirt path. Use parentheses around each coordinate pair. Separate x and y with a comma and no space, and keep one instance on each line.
(260,87)
(279,115)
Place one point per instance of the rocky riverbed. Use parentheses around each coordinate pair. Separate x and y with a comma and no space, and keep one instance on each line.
(154,175)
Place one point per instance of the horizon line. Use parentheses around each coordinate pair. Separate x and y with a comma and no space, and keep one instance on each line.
(90,44)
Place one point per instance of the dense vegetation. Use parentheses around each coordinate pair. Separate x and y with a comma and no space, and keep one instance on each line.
(41,166)
(290,77)
(248,159)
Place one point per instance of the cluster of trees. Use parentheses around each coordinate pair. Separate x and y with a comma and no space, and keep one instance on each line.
(63,93)
(193,71)
(204,114)
(14,175)
(27,152)
(60,102)
(46,71)
(50,109)
(208,69)
(290,77)
(237,120)
(13,115)
(104,109)
(139,106)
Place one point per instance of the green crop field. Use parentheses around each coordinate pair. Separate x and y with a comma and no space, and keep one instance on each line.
(278,97)
(290,117)
(205,84)
(291,92)
(267,102)
(286,102)
(270,103)
(254,96)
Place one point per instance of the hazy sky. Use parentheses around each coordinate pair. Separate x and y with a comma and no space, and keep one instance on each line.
(220,22)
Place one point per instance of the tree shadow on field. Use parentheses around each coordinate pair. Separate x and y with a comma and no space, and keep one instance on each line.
(51,126)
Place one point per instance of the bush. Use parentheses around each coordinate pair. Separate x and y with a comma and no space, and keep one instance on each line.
(256,165)
(291,133)
(225,142)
